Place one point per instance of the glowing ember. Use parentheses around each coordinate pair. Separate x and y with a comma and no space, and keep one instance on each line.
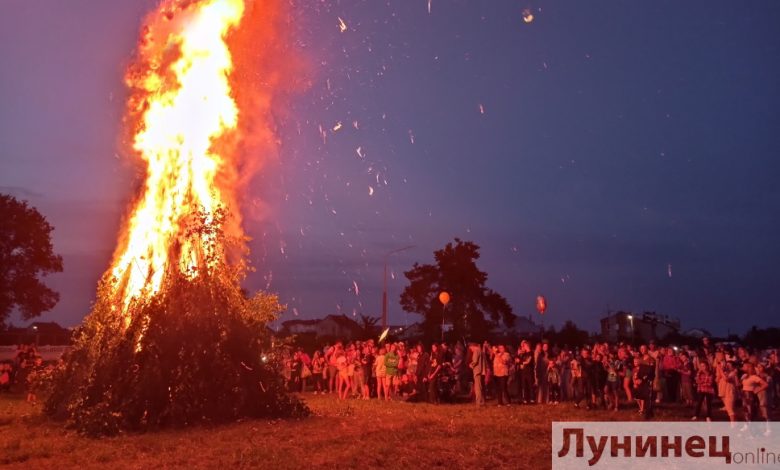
(184,106)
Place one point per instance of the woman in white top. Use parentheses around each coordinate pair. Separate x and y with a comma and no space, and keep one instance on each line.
(752,385)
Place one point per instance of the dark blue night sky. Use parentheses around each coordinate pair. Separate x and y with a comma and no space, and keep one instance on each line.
(607,154)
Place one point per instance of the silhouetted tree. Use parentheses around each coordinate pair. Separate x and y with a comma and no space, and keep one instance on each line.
(26,252)
(571,335)
(762,337)
(368,325)
(472,309)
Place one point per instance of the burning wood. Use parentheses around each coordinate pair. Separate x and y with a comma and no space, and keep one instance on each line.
(172,339)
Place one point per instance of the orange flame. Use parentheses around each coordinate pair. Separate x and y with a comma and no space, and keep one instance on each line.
(204,85)
(184,105)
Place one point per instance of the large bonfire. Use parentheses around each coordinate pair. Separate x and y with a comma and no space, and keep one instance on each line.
(172,339)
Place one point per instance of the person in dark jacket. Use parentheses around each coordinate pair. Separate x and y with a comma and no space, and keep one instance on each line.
(643,383)
(423,369)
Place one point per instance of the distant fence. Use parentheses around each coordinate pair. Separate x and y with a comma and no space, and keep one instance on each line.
(48,353)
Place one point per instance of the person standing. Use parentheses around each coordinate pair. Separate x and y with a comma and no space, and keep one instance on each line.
(433,379)
(366,365)
(554,380)
(319,371)
(577,383)
(478,368)
(381,375)
(726,377)
(752,385)
(525,368)
(330,357)
(669,367)
(685,372)
(391,369)
(645,375)
(540,372)
(501,374)
(706,390)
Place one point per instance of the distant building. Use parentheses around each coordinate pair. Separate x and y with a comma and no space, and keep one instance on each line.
(625,326)
(297,327)
(338,326)
(39,333)
(698,333)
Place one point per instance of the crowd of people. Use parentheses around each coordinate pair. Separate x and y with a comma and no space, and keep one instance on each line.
(601,375)
(18,373)
(745,383)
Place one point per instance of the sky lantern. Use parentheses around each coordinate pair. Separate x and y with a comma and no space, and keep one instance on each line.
(541,304)
(541,307)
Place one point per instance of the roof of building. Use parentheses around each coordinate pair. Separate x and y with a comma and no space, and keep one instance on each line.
(300,322)
(342,320)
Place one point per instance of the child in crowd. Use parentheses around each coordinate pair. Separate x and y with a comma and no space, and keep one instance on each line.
(612,385)
(554,381)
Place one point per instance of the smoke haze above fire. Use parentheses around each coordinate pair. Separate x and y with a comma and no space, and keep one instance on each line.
(613,155)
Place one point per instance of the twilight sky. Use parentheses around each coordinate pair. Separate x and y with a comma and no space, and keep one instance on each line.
(608,154)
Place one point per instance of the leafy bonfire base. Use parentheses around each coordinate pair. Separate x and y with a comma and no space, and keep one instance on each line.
(198,351)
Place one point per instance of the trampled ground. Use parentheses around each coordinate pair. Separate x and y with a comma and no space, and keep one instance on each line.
(346,434)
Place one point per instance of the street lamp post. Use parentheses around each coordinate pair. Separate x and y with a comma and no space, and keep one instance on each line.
(384,284)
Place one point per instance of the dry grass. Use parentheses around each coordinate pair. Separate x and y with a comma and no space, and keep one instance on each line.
(348,434)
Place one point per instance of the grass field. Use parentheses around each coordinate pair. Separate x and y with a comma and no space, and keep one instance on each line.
(346,434)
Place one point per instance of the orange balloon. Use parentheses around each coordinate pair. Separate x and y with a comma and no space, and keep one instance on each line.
(444,298)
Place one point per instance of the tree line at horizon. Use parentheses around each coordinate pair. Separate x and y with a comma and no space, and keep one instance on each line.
(27,253)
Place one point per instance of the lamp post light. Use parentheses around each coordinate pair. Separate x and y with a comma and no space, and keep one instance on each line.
(384,284)
(631,322)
